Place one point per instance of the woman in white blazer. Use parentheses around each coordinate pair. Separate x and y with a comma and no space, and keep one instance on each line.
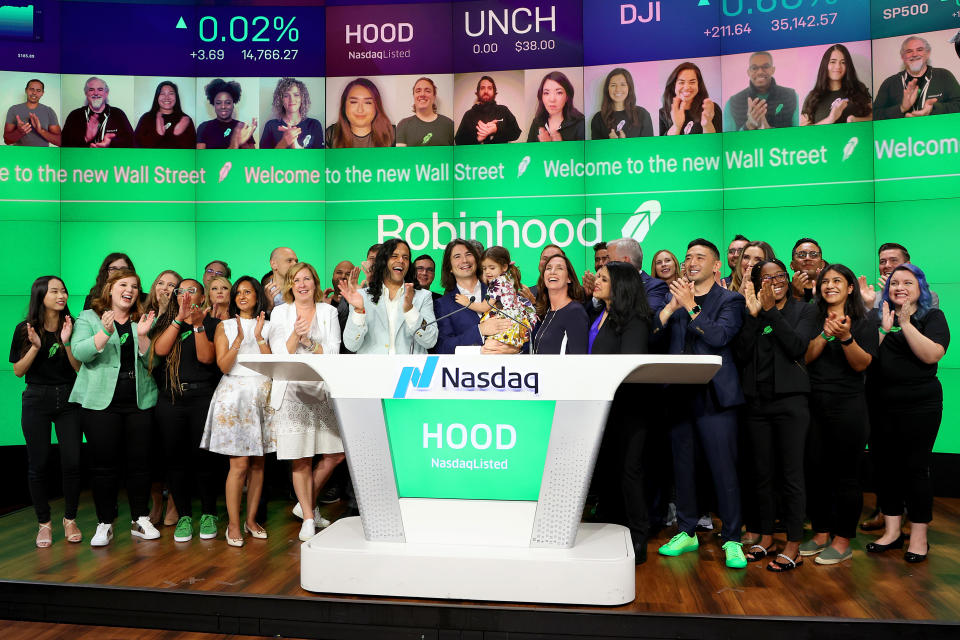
(304,419)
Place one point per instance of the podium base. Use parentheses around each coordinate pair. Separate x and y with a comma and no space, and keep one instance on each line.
(598,570)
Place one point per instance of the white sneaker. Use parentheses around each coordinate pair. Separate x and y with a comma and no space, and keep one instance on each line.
(321,522)
(298,513)
(143,528)
(307,530)
(705,523)
(103,536)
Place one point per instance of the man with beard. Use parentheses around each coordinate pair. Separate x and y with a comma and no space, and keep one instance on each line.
(807,262)
(918,90)
(764,104)
(97,124)
(487,122)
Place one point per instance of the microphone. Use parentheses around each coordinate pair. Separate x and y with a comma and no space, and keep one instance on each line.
(424,325)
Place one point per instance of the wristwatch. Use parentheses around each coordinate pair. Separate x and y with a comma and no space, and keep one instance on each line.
(695,310)
(847,342)
(198,329)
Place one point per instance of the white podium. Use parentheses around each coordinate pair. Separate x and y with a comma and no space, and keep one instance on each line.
(471,473)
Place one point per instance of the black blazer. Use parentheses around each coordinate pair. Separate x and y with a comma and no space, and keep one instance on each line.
(792,328)
(633,339)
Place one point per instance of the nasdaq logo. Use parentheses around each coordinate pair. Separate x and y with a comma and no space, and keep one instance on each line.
(418,378)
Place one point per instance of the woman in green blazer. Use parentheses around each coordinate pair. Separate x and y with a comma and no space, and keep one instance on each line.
(116,392)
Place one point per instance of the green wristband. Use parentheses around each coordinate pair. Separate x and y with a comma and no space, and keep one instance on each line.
(883,331)
(824,335)
(105,331)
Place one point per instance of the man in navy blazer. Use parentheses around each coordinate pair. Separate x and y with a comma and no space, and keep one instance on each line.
(461,328)
(703,318)
(627,250)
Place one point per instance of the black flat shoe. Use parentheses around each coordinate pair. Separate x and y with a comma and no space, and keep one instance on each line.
(875,547)
(915,558)
(640,552)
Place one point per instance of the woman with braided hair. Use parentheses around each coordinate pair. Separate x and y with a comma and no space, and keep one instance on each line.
(182,359)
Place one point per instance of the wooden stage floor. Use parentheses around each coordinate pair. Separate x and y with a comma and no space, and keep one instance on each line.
(694,587)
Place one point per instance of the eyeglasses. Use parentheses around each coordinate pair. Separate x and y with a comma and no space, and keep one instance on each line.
(191,291)
(777,277)
(216,273)
(803,255)
(765,67)
(734,251)
(425,269)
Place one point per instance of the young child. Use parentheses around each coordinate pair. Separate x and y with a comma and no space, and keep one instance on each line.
(503,281)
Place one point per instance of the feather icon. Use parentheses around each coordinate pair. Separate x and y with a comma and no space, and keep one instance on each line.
(849,147)
(225,170)
(640,223)
(523,166)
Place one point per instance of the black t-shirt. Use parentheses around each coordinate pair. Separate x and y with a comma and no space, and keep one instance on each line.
(765,368)
(128,346)
(216,134)
(666,122)
(900,369)
(831,372)
(568,322)
(191,369)
(51,365)
(644,127)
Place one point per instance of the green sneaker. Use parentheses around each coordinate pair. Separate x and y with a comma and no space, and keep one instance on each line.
(679,544)
(184,530)
(832,556)
(735,557)
(208,527)
(811,548)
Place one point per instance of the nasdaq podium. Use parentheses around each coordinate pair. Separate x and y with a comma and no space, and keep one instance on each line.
(471,473)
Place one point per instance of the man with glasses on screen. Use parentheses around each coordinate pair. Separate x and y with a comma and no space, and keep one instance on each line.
(97,123)
(763,104)
(487,122)
(919,89)
(31,124)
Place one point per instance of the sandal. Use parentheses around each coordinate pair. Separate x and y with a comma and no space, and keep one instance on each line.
(790,565)
(761,553)
(44,536)
(71,531)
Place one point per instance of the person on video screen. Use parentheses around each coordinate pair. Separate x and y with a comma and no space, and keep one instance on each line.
(97,123)
(487,122)
(31,124)
(919,89)
(556,118)
(619,115)
(291,128)
(363,121)
(838,95)
(687,108)
(426,128)
(763,104)
(225,132)
(165,125)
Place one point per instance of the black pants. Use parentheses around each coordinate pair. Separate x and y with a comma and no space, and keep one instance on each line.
(902,443)
(776,436)
(181,425)
(622,492)
(44,404)
(838,434)
(716,428)
(120,438)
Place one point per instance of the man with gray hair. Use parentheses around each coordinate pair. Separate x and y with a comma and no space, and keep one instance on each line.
(97,123)
(919,89)
(627,250)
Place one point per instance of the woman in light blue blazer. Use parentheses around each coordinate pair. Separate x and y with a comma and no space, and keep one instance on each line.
(389,315)
(116,392)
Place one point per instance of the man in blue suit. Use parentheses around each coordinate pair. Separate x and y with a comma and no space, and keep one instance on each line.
(703,318)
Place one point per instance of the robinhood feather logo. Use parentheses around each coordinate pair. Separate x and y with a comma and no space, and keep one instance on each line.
(640,223)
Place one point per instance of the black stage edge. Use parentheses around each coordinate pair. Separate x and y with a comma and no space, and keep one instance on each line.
(344,619)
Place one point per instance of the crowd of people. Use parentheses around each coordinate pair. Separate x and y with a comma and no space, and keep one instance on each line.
(838,96)
(816,364)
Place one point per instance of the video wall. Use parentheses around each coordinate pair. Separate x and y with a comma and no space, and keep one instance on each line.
(184,132)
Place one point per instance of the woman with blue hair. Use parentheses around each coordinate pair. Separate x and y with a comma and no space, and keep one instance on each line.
(913,338)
